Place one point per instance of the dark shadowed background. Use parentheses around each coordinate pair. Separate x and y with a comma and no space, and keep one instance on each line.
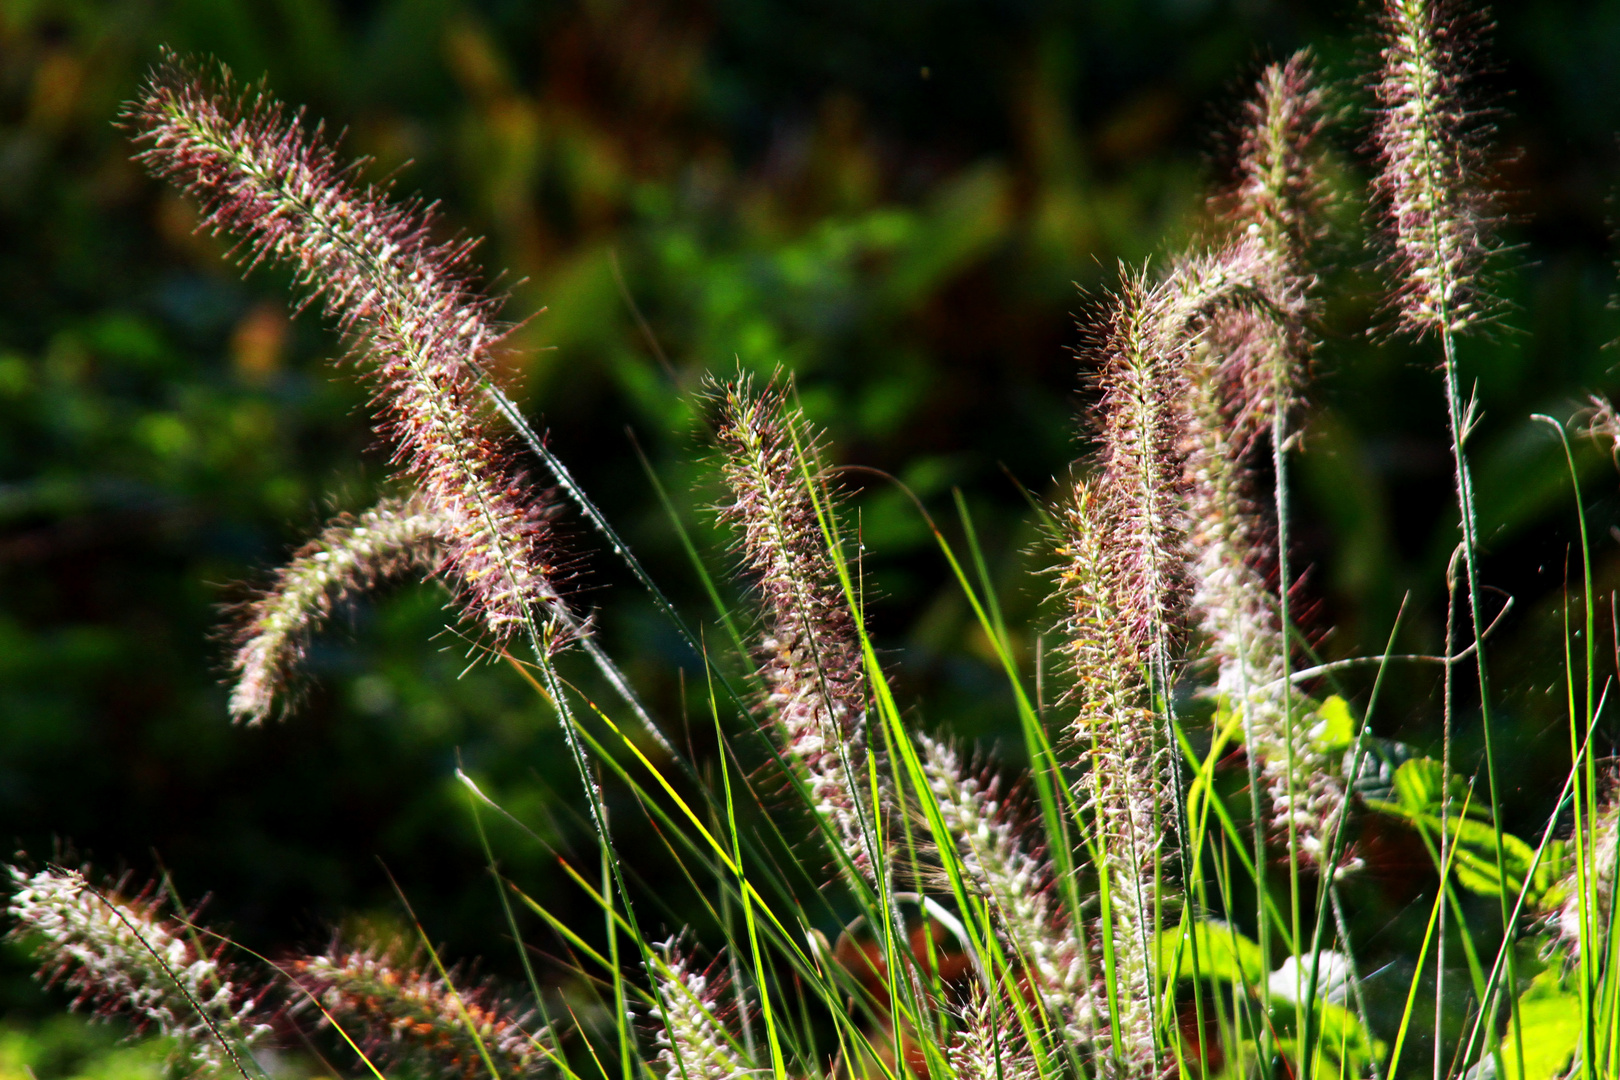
(894,201)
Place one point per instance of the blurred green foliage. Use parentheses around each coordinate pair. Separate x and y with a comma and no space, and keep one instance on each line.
(66,1046)
(894,201)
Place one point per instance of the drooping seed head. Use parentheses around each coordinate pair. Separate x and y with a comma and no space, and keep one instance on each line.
(351,556)
(403,1010)
(422,331)
(124,957)
(1242,386)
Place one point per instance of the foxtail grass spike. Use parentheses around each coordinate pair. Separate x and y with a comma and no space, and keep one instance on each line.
(402,1010)
(124,957)
(691,1039)
(989,838)
(810,654)
(406,303)
(1121,744)
(1247,384)
(1437,211)
(1228,544)
(1279,192)
(1276,202)
(350,556)
(1124,583)
(1153,334)
(989,1044)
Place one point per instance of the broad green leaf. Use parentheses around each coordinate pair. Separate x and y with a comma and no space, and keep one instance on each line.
(1550,1020)
(1416,796)
(1416,790)
(1419,785)
(1335,730)
(1223,953)
(1476,856)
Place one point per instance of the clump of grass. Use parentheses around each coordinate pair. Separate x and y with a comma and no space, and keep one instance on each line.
(1121,921)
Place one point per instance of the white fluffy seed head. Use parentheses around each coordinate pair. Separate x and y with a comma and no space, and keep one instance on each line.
(988,836)
(350,556)
(123,957)
(691,1038)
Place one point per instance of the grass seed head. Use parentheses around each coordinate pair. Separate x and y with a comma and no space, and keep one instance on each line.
(122,956)
(990,840)
(809,651)
(350,556)
(691,1037)
(402,1009)
(422,330)
(1437,212)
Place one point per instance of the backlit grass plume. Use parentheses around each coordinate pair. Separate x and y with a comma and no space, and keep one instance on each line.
(1153,333)
(350,556)
(1277,202)
(989,1044)
(1244,385)
(405,1010)
(1436,208)
(1237,611)
(995,856)
(691,1039)
(1124,584)
(809,653)
(418,325)
(1126,930)
(123,956)
(1436,212)
(1122,746)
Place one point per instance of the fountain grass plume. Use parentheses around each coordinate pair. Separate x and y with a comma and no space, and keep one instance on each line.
(809,653)
(1244,385)
(990,838)
(1118,739)
(1237,611)
(1277,201)
(123,956)
(1153,334)
(400,1010)
(351,555)
(1279,194)
(691,1037)
(1429,141)
(420,328)
(989,1044)
(1438,215)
